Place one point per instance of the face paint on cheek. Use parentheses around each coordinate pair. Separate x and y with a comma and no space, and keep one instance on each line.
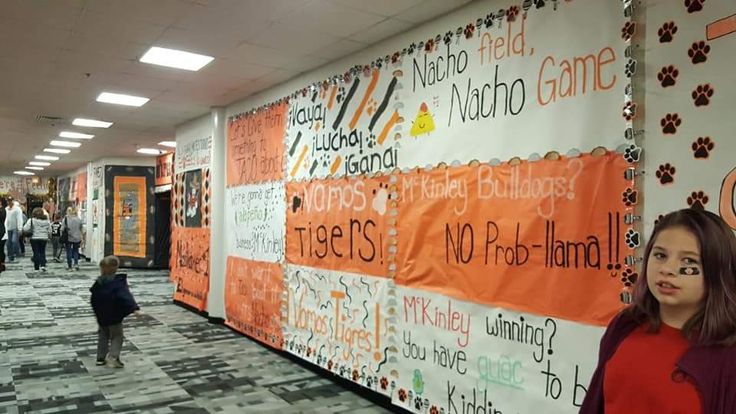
(689,271)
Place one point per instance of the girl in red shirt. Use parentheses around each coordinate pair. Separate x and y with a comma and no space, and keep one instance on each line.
(674,349)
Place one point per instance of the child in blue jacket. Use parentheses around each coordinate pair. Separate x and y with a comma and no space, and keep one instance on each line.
(112,301)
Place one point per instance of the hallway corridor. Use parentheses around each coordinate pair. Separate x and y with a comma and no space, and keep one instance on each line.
(175,361)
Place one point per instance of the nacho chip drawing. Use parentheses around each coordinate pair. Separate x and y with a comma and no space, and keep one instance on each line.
(424,123)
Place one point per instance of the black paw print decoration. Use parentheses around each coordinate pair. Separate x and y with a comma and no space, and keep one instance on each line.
(632,154)
(632,239)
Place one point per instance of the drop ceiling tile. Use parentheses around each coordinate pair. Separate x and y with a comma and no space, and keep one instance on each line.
(339,49)
(381,31)
(386,8)
(292,40)
(430,9)
(320,16)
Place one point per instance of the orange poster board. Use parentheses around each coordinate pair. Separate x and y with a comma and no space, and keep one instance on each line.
(538,237)
(129,216)
(190,265)
(340,224)
(82,186)
(164,169)
(255,146)
(253,296)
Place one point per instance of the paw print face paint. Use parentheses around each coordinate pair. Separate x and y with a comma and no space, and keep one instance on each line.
(702,147)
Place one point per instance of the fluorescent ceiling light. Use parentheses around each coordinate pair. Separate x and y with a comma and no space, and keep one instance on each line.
(21,172)
(75,135)
(65,144)
(149,151)
(92,123)
(56,150)
(170,144)
(121,99)
(46,157)
(35,168)
(40,163)
(176,58)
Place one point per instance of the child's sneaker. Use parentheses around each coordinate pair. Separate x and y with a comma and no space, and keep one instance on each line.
(43,269)
(115,363)
(76,268)
(100,362)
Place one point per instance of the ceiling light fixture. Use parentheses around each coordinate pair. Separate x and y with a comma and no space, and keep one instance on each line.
(149,151)
(21,172)
(121,99)
(92,123)
(178,59)
(170,144)
(57,150)
(75,135)
(35,168)
(39,163)
(46,157)
(65,144)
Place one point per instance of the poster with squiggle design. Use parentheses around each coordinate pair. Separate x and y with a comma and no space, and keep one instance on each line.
(342,322)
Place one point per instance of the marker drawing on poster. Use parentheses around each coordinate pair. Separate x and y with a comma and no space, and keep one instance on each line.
(344,323)
(255,216)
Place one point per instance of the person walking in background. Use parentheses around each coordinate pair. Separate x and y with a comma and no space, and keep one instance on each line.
(3,233)
(21,236)
(111,302)
(72,224)
(13,226)
(56,243)
(39,230)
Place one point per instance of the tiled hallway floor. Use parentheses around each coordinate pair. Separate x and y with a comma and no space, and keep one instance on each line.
(175,360)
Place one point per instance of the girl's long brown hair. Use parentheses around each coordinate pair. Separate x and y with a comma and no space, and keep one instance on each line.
(715,321)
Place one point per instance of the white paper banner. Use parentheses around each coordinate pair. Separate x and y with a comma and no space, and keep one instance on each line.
(345,129)
(255,217)
(552,81)
(193,154)
(465,358)
(344,323)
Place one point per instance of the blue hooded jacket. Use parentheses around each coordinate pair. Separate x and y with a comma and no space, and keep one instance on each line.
(112,300)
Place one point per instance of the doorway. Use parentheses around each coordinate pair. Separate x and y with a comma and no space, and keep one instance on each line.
(163,230)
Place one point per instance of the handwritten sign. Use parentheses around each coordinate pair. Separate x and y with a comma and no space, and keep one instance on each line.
(164,169)
(190,265)
(339,224)
(542,237)
(193,154)
(255,146)
(255,216)
(253,299)
(345,129)
(535,84)
(461,357)
(342,322)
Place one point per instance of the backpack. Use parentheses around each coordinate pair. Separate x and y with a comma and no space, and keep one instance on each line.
(65,233)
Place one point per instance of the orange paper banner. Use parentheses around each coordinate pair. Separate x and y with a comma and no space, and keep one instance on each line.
(129,216)
(253,296)
(544,237)
(190,265)
(82,186)
(255,147)
(339,224)
(164,169)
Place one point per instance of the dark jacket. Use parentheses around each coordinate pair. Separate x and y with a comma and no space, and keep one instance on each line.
(112,300)
(712,369)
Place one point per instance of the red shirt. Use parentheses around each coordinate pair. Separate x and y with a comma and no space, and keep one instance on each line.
(642,376)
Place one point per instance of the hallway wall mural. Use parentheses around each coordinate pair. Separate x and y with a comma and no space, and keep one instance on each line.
(449,224)
(190,227)
(129,214)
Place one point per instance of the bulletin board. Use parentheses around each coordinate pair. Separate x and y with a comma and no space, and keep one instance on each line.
(447,225)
